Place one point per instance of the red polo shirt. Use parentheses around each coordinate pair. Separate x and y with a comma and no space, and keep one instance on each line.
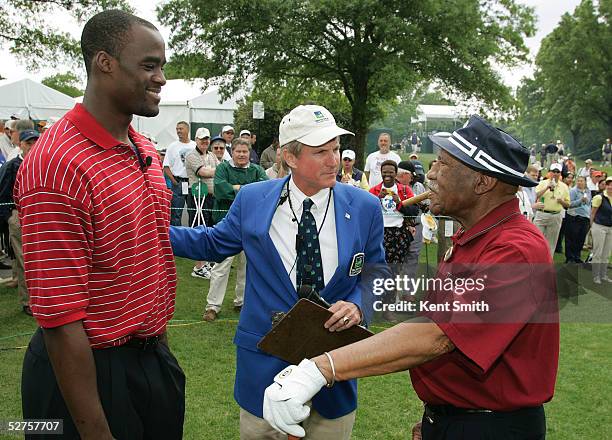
(95,232)
(507,340)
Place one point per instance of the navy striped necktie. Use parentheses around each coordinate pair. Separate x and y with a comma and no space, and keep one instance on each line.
(309,263)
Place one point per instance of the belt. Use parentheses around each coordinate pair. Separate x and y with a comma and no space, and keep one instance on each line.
(142,343)
(433,412)
(181,179)
(551,212)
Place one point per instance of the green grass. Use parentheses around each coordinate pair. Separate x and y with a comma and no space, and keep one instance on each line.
(387,405)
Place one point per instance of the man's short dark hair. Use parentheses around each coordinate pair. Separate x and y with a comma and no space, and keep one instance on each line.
(389,162)
(185,123)
(108,31)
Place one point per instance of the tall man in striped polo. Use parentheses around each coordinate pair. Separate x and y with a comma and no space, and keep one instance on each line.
(95,215)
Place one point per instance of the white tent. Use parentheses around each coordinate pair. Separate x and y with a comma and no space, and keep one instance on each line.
(28,99)
(183,100)
(429,113)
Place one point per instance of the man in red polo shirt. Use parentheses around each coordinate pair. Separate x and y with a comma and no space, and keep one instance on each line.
(483,354)
(95,214)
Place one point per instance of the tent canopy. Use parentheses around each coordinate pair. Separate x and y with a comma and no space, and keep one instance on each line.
(429,113)
(28,99)
(183,100)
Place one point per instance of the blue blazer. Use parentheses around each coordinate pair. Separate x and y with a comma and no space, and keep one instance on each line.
(359,229)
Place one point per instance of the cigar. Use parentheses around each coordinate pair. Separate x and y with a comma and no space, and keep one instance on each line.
(416,199)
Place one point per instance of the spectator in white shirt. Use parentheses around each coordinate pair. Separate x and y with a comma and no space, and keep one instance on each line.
(174,169)
(375,160)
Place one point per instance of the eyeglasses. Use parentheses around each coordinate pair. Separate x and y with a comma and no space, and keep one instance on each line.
(347,159)
(218,148)
(556,171)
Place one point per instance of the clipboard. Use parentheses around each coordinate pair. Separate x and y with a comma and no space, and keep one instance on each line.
(300,334)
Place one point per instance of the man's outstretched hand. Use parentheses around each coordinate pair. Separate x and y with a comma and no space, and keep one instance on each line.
(284,405)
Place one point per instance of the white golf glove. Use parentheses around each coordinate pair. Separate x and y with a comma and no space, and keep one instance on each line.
(284,401)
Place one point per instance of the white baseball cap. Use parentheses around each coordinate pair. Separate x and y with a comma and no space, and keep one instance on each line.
(202,133)
(312,125)
(555,166)
(245,132)
(227,128)
(348,153)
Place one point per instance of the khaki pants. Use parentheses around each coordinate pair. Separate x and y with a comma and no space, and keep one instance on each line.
(316,427)
(18,268)
(218,282)
(549,225)
(602,247)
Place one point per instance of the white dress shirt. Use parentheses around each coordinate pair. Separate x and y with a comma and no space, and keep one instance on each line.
(283,230)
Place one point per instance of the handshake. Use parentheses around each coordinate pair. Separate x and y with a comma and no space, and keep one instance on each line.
(284,405)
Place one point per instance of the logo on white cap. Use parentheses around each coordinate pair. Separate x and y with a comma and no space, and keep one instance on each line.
(312,125)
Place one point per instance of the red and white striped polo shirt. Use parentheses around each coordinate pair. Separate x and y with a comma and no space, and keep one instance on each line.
(95,232)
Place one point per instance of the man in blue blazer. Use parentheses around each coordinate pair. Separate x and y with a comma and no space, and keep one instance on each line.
(303,230)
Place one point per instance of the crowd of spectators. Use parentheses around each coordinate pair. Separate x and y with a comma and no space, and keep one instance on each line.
(570,206)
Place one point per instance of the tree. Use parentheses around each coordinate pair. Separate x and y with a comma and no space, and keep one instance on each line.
(398,114)
(64,82)
(280,98)
(30,29)
(572,85)
(369,50)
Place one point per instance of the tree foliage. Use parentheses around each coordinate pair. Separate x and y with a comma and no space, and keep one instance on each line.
(398,113)
(32,29)
(370,50)
(280,97)
(67,83)
(571,91)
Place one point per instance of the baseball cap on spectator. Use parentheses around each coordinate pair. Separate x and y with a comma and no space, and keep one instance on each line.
(244,132)
(311,125)
(217,138)
(202,133)
(597,173)
(588,161)
(349,154)
(26,135)
(609,179)
(418,168)
(406,165)
(227,128)
(555,166)
(414,156)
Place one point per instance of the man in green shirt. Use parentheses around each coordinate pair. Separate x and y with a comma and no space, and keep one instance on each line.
(230,176)
(554,194)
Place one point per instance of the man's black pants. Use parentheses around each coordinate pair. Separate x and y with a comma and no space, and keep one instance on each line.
(142,391)
(442,423)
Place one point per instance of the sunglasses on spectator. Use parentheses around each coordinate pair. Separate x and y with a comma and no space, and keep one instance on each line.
(218,148)
(347,159)
(555,171)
